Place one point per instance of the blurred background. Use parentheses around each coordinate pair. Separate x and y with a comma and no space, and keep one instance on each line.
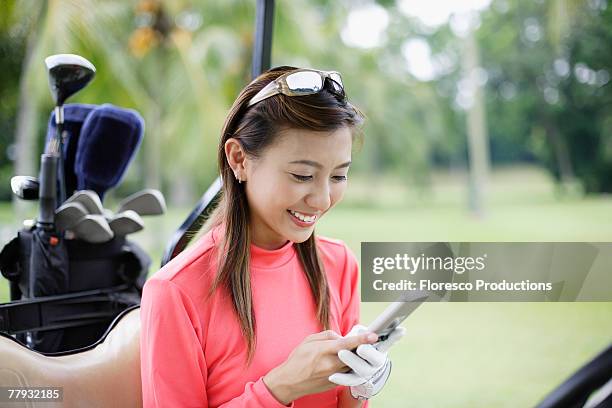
(487,120)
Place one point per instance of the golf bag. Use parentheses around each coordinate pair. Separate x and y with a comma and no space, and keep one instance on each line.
(65,292)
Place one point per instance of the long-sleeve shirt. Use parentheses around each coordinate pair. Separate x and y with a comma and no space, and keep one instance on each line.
(193,353)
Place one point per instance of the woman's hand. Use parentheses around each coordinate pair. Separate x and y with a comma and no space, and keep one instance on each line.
(370,366)
(308,367)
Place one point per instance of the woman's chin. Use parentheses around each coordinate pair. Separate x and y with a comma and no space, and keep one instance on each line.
(300,236)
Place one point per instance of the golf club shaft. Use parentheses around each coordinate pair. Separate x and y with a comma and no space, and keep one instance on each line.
(59,122)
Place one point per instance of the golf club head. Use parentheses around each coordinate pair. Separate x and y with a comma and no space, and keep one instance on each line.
(69,214)
(93,228)
(68,74)
(89,199)
(146,202)
(126,223)
(25,187)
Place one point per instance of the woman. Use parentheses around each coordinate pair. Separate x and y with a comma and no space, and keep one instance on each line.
(252,314)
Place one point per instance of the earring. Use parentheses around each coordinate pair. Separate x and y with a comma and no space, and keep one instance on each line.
(237,178)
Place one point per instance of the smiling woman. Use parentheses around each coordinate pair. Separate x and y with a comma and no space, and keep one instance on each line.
(260,312)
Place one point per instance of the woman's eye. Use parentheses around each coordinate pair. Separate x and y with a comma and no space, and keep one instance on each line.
(337,179)
(301,178)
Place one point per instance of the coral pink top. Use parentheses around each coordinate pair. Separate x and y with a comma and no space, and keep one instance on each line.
(192,350)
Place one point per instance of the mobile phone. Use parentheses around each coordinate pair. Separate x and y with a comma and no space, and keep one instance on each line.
(396,313)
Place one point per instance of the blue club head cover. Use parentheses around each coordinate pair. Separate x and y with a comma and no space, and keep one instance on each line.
(74,116)
(109,140)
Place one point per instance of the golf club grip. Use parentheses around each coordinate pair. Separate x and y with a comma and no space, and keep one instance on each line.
(48,188)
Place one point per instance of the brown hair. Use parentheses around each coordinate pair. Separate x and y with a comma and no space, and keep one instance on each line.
(256,128)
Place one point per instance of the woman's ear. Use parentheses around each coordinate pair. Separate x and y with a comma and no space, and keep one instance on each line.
(236,157)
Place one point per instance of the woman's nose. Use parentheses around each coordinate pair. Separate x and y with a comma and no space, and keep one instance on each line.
(319,198)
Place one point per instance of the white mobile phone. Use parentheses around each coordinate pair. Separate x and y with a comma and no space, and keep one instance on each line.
(396,313)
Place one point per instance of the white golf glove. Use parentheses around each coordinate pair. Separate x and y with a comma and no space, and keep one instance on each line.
(370,365)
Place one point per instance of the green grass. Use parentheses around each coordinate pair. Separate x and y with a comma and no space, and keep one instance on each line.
(462,354)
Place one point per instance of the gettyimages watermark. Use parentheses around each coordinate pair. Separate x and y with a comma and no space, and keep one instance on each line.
(487,271)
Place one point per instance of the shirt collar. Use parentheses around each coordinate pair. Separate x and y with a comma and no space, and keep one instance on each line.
(263,258)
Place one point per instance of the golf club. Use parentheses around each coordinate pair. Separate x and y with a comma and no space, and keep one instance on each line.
(108,141)
(146,202)
(89,199)
(68,214)
(25,187)
(93,228)
(68,74)
(126,223)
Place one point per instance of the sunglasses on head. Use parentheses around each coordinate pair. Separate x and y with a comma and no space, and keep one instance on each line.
(301,82)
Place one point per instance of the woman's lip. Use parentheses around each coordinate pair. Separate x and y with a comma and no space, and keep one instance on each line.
(303,213)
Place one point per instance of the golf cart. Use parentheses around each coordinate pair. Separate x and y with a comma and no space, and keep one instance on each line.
(104,369)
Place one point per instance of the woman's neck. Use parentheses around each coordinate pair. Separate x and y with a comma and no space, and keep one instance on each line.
(265,238)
